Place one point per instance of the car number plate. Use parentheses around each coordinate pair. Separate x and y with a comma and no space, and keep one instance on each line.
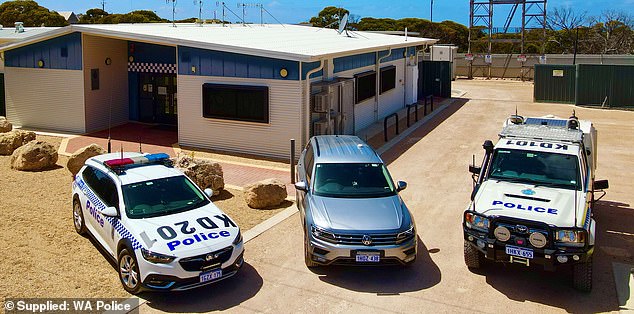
(519,252)
(210,275)
(368,257)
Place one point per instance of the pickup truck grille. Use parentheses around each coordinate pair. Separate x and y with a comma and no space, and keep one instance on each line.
(521,231)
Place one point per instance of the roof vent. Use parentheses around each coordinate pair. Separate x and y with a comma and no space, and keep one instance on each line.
(19,27)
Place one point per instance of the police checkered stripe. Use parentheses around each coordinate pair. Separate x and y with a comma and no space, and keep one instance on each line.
(115,223)
(151,67)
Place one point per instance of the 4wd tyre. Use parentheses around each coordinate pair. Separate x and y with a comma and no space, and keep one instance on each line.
(307,260)
(582,276)
(472,257)
(129,271)
(78,217)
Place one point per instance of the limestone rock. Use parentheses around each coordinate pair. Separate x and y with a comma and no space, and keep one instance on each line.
(205,174)
(34,156)
(10,141)
(5,125)
(79,157)
(265,193)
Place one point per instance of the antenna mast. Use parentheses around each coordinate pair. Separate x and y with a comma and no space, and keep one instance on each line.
(254,5)
(200,11)
(173,11)
(103,5)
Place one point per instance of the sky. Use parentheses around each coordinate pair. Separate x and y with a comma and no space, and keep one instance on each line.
(288,11)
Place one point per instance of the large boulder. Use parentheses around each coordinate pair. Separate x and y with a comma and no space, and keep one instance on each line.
(5,125)
(79,157)
(206,174)
(265,193)
(34,156)
(10,141)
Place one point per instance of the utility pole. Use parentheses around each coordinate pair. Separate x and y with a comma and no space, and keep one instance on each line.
(103,5)
(431,11)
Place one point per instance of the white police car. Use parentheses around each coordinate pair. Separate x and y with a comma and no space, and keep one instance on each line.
(160,228)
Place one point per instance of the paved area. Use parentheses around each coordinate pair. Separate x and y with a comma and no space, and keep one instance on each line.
(433,160)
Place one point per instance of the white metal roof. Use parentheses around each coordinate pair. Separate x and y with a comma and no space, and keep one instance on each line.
(291,42)
(8,34)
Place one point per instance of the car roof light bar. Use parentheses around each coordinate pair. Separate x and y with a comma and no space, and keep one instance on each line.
(119,163)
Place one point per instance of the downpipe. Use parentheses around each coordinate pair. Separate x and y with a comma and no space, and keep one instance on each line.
(377,69)
(306,130)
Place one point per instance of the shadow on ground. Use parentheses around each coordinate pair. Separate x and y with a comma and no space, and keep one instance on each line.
(411,140)
(615,243)
(384,280)
(218,296)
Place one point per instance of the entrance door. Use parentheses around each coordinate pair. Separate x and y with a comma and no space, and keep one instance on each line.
(157,98)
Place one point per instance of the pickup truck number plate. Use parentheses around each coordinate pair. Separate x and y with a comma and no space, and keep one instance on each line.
(519,252)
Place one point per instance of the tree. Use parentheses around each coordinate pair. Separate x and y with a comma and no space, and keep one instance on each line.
(613,31)
(329,17)
(563,25)
(30,13)
(93,16)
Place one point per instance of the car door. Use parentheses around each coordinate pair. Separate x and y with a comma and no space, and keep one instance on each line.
(304,170)
(107,195)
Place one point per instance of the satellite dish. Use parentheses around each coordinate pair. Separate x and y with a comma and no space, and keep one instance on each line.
(343,23)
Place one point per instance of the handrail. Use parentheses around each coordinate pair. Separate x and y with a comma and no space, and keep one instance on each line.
(415,106)
(385,125)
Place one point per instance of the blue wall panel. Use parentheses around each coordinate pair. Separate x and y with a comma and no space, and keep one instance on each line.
(133,94)
(354,62)
(150,53)
(49,51)
(217,63)
(309,66)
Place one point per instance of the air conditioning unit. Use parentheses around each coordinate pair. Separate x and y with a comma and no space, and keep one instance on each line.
(320,127)
(321,102)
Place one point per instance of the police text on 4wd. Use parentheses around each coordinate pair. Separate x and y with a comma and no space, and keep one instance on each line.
(163,231)
(533,195)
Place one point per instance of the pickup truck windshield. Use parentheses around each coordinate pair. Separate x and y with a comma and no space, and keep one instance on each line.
(362,180)
(161,197)
(538,168)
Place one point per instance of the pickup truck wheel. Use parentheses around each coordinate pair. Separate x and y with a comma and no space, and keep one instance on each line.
(307,260)
(582,276)
(472,257)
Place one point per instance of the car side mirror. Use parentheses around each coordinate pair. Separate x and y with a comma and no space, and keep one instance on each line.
(475,169)
(601,185)
(301,185)
(401,185)
(209,192)
(110,212)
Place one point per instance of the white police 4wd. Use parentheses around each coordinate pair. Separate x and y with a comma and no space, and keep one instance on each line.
(160,228)
(533,195)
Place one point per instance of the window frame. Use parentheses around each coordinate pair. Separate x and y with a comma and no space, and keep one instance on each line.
(236,87)
(364,75)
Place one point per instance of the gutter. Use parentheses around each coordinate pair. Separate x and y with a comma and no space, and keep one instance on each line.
(306,129)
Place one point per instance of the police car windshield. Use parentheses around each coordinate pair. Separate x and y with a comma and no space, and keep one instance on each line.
(161,197)
(363,180)
(538,168)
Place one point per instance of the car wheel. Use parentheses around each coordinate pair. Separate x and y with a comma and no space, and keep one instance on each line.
(582,276)
(78,217)
(472,257)
(129,271)
(307,260)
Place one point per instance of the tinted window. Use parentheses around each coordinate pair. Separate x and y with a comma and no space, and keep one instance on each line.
(353,180)
(388,78)
(539,168)
(236,102)
(365,86)
(161,197)
(102,185)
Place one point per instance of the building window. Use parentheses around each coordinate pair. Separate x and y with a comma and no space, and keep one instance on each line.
(94,79)
(365,86)
(236,102)
(388,78)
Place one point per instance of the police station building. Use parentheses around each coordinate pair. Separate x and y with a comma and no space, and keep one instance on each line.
(237,88)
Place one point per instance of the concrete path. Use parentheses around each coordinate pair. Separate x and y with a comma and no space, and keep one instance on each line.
(433,160)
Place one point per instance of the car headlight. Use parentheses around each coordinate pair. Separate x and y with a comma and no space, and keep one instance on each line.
(323,234)
(156,258)
(238,238)
(406,235)
(570,237)
(478,222)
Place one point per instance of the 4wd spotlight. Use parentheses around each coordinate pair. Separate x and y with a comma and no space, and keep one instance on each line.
(502,233)
(538,240)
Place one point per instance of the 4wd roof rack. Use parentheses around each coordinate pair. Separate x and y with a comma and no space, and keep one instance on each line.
(543,132)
